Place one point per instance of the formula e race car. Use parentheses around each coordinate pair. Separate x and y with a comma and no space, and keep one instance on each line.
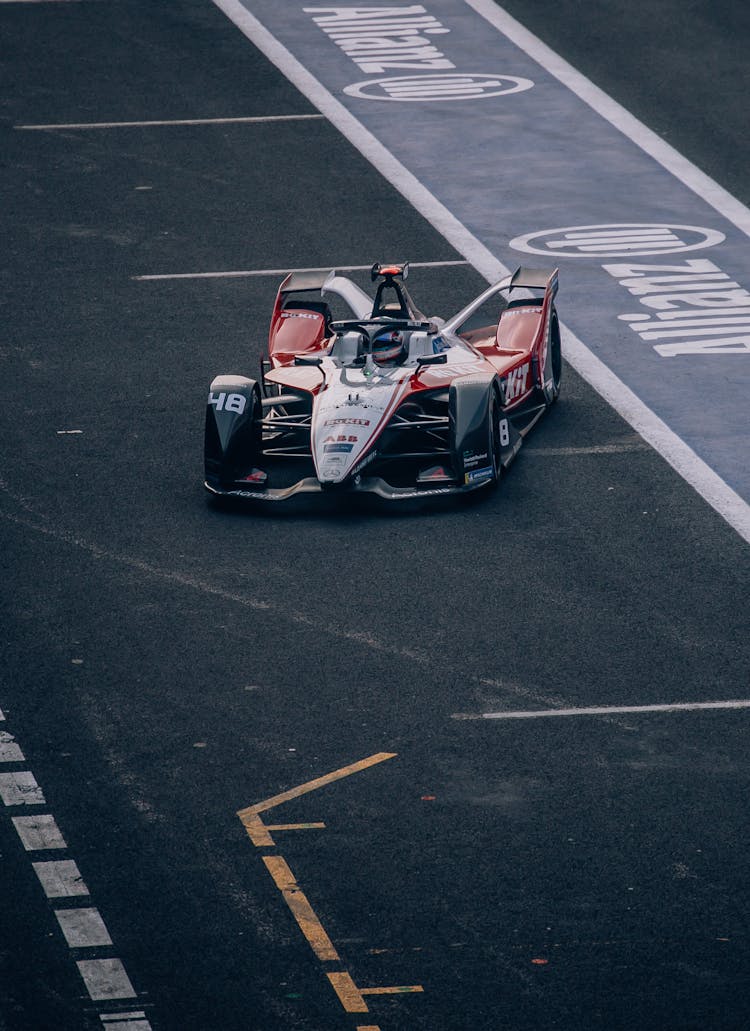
(385,400)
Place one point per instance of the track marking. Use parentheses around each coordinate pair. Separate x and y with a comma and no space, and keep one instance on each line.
(595,449)
(618,116)
(83,928)
(38,833)
(135,1020)
(105,979)
(60,878)
(607,710)
(250,816)
(20,789)
(677,453)
(258,119)
(285,271)
(10,752)
(300,908)
(352,997)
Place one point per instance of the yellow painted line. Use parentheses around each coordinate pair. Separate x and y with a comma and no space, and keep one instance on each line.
(352,998)
(402,989)
(300,908)
(349,995)
(257,830)
(295,826)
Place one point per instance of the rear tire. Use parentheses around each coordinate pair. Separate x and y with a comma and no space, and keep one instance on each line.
(553,363)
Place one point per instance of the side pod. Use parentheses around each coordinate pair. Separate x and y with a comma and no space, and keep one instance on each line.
(233,429)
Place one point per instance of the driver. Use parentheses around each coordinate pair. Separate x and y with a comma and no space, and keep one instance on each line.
(389,346)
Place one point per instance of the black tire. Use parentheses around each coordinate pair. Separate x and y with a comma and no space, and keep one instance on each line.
(553,363)
(494,415)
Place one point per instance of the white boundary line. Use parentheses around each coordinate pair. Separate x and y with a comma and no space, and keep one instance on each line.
(175,121)
(281,272)
(681,457)
(674,162)
(609,710)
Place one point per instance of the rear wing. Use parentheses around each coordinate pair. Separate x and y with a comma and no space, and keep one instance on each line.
(534,279)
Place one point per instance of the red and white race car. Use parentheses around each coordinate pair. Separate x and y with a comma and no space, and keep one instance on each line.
(385,400)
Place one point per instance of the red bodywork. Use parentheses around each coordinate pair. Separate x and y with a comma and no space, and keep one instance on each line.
(515,346)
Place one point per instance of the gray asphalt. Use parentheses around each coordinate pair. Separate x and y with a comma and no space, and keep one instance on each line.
(166,664)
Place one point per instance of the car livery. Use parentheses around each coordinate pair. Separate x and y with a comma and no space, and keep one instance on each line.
(385,401)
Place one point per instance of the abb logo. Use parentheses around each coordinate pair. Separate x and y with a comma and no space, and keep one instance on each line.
(515,384)
(224,402)
(340,439)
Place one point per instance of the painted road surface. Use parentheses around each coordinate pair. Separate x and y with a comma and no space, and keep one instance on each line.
(653,259)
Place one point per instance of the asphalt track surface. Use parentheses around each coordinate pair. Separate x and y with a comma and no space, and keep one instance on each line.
(167,664)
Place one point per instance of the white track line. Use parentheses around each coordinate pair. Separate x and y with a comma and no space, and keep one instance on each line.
(616,115)
(60,878)
(38,833)
(105,979)
(176,121)
(609,710)
(20,789)
(285,271)
(10,752)
(83,928)
(681,457)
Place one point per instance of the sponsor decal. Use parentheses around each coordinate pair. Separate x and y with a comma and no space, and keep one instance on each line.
(516,382)
(249,494)
(365,461)
(510,312)
(617,240)
(472,459)
(388,38)
(347,422)
(299,315)
(476,475)
(418,493)
(224,402)
(692,308)
(332,448)
(446,86)
(352,439)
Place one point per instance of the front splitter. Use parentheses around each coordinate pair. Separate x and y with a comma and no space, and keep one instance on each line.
(367,485)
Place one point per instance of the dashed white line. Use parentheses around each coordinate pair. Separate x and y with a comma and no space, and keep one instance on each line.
(60,878)
(134,1020)
(249,120)
(38,833)
(20,789)
(105,979)
(593,449)
(10,752)
(83,928)
(285,271)
(606,710)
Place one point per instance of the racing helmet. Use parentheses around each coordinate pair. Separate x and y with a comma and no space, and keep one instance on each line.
(390,347)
